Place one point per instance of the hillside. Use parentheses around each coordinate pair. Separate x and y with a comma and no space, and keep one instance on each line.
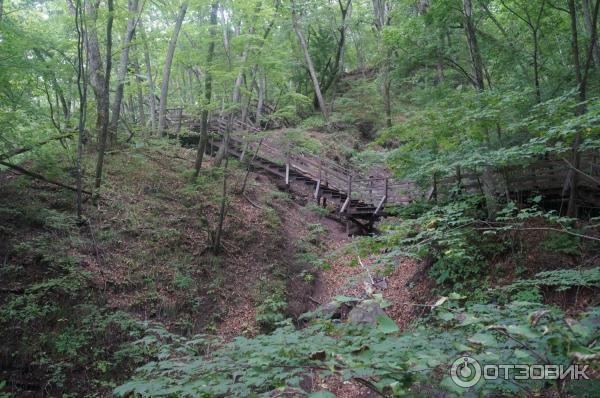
(266,198)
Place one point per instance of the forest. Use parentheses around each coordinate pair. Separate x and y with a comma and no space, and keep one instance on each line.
(299,198)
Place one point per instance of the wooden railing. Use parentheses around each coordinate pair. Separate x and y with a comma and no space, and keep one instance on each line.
(543,175)
(378,192)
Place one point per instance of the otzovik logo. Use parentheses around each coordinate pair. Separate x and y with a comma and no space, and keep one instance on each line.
(465,372)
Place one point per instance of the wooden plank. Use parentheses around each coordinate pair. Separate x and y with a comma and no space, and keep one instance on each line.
(380,205)
(345,205)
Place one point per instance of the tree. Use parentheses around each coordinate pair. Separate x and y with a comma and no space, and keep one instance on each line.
(582,81)
(105,98)
(164,89)
(207,89)
(151,87)
(133,9)
(380,12)
(534,24)
(97,70)
(309,63)
(471,35)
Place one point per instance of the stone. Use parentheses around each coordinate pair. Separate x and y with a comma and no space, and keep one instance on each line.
(366,312)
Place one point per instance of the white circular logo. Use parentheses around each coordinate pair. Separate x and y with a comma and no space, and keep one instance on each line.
(465,372)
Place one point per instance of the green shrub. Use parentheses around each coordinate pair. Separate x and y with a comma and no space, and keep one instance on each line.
(562,243)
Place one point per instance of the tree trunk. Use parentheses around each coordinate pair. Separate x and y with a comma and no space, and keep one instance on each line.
(235,99)
(207,89)
(261,98)
(164,89)
(140,92)
(122,69)
(473,45)
(338,64)
(97,80)
(152,88)
(581,76)
(380,10)
(309,63)
(592,33)
(536,68)
(82,91)
(105,102)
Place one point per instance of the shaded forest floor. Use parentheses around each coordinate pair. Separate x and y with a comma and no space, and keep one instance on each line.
(72,293)
(75,296)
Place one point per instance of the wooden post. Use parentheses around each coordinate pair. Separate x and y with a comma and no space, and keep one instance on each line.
(320,168)
(287,171)
(180,114)
(346,204)
(350,185)
(386,190)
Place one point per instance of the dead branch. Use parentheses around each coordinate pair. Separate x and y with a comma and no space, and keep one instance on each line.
(40,177)
(18,151)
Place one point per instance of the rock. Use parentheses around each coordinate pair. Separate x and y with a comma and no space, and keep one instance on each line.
(366,312)
(330,309)
(335,310)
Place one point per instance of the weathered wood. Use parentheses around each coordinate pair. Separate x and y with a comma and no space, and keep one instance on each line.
(356,195)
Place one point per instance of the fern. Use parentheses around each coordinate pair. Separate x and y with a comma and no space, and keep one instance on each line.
(562,279)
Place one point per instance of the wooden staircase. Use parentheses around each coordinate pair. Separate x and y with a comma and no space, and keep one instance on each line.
(351,196)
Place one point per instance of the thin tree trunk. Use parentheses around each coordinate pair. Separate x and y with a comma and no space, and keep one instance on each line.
(105,102)
(94,57)
(261,98)
(235,99)
(309,63)
(151,86)
(380,11)
(476,61)
(140,91)
(207,89)
(164,89)
(592,33)
(338,67)
(536,68)
(122,69)
(82,91)
(385,87)
(571,181)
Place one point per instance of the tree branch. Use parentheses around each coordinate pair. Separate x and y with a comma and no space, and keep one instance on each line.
(40,177)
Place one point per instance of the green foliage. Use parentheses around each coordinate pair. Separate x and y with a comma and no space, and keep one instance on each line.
(561,279)
(271,305)
(300,142)
(397,364)
(562,243)
(316,232)
(316,209)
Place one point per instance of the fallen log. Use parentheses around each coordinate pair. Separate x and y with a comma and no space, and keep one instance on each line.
(40,177)
(19,151)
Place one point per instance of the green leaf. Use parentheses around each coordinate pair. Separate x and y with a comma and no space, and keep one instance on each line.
(446,316)
(484,339)
(386,325)
(523,330)
(345,299)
